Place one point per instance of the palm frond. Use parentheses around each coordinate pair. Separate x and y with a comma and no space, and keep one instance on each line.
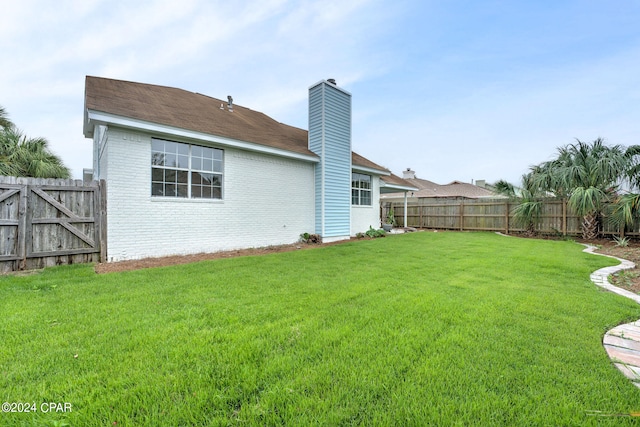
(527,214)
(5,123)
(504,188)
(22,156)
(625,210)
(587,200)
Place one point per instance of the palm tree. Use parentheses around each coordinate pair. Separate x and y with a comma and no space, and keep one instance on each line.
(22,156)
(589,175)
(626,209)
(504,188)
(528,212)
(5,123)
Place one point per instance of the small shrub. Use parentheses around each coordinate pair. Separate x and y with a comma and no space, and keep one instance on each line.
(621,241)
(624,278)
(310,238)
(391,218)
(375,233)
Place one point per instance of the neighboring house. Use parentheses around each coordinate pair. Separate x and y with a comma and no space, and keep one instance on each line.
(187,173)
(455,190)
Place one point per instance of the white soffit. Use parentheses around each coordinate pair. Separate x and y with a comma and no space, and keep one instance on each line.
(98,117)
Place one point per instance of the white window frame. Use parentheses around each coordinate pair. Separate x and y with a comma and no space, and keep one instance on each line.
(359,189)
(188,162)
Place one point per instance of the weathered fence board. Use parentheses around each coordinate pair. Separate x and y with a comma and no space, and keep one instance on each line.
(45,222)
(492,215)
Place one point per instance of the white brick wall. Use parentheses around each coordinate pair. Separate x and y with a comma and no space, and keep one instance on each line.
(364,216)
(267,200)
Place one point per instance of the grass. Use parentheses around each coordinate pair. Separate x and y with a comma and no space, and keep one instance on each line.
(418,329)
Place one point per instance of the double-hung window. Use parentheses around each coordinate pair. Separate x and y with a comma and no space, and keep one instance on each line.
(360,189)
(185,170)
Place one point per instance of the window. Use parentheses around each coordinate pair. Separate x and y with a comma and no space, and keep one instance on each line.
(184,170)
(360,189)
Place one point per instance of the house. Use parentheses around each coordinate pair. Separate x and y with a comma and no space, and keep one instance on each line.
(187,173)
(429,190)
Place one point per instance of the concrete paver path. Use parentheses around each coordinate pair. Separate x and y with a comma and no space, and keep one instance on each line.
(622,343)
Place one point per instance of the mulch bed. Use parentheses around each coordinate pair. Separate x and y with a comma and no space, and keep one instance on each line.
(137,264)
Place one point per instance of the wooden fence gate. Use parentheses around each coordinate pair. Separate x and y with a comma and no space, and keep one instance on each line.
(45,222)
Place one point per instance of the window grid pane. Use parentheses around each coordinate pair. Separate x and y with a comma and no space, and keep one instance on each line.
(186,171)
(360,189)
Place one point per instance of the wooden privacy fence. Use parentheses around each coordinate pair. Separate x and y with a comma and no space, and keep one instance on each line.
(491,215)
(45,222)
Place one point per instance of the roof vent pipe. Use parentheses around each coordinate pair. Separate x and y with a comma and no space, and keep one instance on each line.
(230,102)
(332,81)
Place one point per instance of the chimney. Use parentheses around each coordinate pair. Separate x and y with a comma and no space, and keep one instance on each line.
(408,174)
(330,139)
(481,183)
(230,103)
(87,175)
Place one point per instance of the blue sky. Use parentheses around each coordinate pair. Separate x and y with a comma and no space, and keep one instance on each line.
(456,90)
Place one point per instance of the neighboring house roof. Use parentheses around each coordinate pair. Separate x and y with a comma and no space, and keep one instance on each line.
(428,188)
(392,183)
(181,109)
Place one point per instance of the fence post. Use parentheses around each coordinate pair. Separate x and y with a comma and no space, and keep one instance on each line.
(22,227)
(506,217)
(461,213)
(564,217)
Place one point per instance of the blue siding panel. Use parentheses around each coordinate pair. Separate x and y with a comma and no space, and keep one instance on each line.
(330,139)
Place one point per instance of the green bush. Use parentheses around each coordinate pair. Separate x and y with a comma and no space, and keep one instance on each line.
(375,233)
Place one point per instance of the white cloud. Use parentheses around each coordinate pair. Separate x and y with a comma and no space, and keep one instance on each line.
(500,128)
(448,104)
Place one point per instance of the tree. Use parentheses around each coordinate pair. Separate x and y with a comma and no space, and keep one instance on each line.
(588,175)
(22,156)
(5,123)
(626,208)
(529,210)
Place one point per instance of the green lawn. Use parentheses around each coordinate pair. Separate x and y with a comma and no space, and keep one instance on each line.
(418,329)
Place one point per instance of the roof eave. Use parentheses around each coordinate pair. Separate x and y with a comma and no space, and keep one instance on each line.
(386,187)
(94,117)
(373,171)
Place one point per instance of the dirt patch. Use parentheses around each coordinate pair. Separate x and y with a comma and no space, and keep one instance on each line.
(113,267)
(626,279)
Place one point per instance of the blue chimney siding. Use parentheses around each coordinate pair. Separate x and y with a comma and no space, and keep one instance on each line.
(330,139)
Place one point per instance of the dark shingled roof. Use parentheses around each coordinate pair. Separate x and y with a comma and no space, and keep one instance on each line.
(191,111)
(186,110)
(358,160)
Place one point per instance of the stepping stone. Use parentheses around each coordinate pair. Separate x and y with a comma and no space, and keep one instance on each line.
(633,373)
(616,341)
